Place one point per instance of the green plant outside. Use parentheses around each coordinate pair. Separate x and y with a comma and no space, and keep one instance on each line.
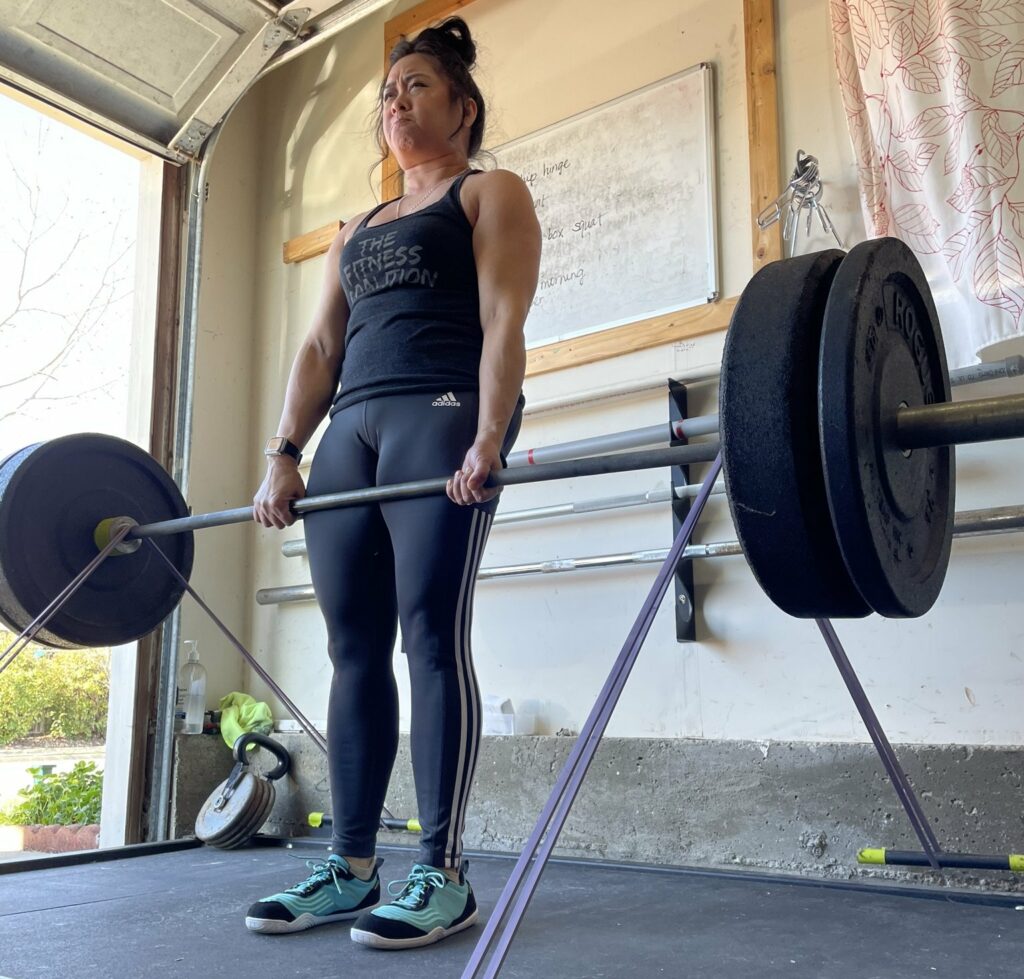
(66,690)
(59,799)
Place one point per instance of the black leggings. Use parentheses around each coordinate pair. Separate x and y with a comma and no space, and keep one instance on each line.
(408,561)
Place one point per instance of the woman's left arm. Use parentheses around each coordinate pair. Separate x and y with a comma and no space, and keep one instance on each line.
(506,245)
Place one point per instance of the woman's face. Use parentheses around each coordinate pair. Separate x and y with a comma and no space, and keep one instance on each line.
(420,119)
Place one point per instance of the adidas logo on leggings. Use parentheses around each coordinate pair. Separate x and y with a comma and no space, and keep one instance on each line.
(447,401)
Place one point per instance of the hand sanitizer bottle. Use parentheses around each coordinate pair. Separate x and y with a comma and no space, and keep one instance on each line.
(191,693)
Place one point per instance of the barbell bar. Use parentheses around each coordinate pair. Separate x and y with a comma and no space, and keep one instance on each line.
(992,370)
(959,423)
(297,546)
(684,428)
(676,455)
(960,861)
(60,502)
(969,523)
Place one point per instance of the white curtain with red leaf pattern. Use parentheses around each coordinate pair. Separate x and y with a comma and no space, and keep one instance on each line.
(934,97)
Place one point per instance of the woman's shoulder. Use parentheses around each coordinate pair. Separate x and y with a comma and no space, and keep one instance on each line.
(497,181)
(493,188)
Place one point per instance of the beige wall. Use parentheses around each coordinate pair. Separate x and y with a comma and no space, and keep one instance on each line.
(546,642)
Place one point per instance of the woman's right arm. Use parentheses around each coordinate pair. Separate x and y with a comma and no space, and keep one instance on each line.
(312,385)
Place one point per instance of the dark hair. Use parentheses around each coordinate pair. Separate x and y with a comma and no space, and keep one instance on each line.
(453,48)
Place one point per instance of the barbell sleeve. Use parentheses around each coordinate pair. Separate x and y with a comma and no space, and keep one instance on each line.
(676,455)
(960,422)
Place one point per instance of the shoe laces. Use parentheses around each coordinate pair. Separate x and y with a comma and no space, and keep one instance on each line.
(321,872)
(417,887)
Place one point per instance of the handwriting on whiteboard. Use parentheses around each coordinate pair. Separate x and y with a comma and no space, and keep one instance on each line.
(625,202)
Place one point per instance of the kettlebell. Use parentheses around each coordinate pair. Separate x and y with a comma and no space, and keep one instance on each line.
(240,805)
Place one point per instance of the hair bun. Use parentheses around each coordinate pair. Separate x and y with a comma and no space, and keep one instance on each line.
(454,32)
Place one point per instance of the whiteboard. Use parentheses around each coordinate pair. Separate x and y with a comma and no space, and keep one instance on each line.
(625,194)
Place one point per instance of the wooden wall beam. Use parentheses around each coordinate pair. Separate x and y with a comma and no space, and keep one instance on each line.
(163,416)
(311,244)
(763,125)
(684,324)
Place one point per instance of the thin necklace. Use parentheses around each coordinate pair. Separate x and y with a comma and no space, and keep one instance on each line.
(422,197)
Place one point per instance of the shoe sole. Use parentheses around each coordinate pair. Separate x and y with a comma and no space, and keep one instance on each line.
(378,941)
(305,921)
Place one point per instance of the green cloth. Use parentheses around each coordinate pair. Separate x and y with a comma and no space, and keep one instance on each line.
(240,713)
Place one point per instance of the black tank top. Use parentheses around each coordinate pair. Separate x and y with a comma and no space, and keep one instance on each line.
(414,305)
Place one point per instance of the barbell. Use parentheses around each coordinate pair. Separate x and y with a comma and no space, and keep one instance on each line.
(63,501)
(836,432)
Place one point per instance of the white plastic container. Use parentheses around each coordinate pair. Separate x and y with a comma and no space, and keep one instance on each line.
(499,717)
(190,701)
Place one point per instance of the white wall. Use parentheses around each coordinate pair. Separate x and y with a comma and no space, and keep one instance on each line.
(547,642)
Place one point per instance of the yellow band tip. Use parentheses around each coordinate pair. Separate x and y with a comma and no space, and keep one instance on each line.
(874,855)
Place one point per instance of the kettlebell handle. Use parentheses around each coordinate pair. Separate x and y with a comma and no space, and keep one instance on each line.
(245,741)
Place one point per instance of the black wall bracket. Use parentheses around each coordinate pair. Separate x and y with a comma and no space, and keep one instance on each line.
(686,611)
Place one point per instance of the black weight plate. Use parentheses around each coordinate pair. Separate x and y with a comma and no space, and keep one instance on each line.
(769,427)
(880,348)
(52,496)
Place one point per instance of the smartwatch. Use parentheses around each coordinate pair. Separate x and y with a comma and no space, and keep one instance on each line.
(280,446)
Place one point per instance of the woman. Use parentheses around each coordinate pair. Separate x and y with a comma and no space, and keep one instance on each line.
(421,320)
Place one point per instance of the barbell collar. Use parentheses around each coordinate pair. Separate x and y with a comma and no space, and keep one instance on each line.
(960,422)
(677,455)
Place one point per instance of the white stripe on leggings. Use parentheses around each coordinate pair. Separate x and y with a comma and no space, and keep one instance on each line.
(473,555)
(474,687)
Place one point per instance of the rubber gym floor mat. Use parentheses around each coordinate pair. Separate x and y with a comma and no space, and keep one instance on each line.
(181,914)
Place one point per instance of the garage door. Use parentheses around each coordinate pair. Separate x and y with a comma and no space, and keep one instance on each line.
(159,73)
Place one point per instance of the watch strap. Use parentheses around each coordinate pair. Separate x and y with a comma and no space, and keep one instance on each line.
(281,446)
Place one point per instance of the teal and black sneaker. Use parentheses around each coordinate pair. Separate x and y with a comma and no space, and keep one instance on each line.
(330,893)
(428,908)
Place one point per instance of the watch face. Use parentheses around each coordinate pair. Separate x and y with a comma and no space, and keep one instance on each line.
(280,446)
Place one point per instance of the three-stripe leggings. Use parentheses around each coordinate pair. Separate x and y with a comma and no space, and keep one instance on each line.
(413,563)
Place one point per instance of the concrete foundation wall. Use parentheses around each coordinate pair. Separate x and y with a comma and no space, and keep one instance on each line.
(786,807)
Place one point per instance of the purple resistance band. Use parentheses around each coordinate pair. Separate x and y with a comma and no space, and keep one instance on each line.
(40,622)
(556,810)
(897,776)
(304,722)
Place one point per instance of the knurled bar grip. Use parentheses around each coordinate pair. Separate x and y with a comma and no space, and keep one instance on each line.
(556,809)
(677,455)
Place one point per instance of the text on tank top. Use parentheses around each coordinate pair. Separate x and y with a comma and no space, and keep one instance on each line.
(414,304)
